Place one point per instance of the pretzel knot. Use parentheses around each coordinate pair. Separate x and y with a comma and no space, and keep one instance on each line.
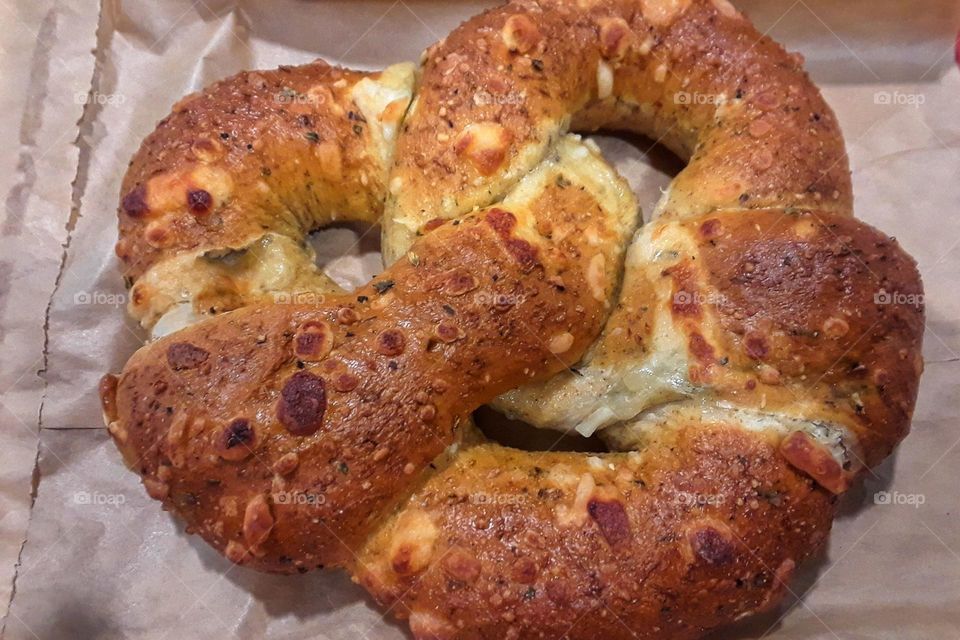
(742,355)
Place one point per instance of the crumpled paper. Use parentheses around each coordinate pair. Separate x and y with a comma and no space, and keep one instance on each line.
(103,561)
(45,74)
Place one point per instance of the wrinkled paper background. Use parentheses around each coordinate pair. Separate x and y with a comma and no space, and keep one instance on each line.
(85,554)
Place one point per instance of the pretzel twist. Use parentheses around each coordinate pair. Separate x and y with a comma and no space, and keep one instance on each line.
(732,353)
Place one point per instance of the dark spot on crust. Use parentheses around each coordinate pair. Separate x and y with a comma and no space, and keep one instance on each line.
(756,346)
(525,571)
(345,382)
(313,341)
(309,343)
(712,546)
(701,349)
(382,286)
(199,201)
(524,253)
(502,221)
(135,203)
(427,413)
(346,315)
(238,433)
(391,342)
(401,560)
(614,38)
(237,440)
(433,224)
(612,519)
(710,228)
(303,401)
(448,331)
(183,355)
(805,453)
(108,396)
(462,565)
(459,281)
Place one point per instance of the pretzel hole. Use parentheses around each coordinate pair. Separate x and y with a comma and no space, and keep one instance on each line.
(648,166)
(348,252)
(520,435)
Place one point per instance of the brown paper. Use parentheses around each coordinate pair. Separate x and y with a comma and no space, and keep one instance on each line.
(45,73)
(103,561)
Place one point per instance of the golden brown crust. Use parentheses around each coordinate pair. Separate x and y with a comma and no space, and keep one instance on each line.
(810,317)
(704,525)
(261,150)
(699,79)
(820,308)
(320,417)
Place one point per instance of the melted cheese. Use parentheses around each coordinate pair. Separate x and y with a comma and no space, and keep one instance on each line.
(837,438)
(182,290)
(374,96)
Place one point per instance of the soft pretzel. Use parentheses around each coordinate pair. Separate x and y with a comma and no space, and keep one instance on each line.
(735,357)
(218,201)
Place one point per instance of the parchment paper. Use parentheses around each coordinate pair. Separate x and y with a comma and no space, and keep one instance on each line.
(102,561)
(45,73)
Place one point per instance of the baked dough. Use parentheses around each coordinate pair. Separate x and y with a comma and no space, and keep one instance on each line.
(733,353)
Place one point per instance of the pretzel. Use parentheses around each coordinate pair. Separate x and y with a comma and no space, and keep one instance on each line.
(733,353)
